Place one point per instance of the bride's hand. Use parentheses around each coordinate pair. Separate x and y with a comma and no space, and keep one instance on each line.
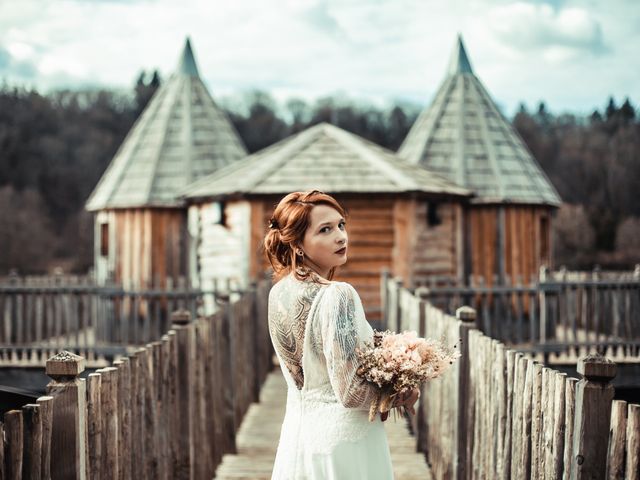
(408,399)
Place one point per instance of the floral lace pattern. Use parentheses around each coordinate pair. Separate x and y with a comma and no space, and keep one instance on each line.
(331,405)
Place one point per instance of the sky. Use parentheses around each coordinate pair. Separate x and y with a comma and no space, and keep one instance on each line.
(572,55)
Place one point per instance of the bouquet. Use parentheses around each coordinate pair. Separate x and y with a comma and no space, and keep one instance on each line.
(399,362)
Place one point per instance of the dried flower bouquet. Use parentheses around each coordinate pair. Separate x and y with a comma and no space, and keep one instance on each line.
(399,362)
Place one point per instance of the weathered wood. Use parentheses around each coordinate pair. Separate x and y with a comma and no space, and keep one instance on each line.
(594,395)
(569,419)
(69,427)
(633,442)
(617,441)
(124,417)
(14,432)
(517,424)
(32,460)
(558,433)
(185,341)
(462,455)
(511,362)
(45,404)
(110,425)
(529,385)
(94,424)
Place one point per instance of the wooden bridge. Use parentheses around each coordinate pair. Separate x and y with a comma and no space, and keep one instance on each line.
(203,399)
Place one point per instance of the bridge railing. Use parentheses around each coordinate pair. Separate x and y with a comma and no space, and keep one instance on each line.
(56,312)
(501,414)
(169,410)
(558,313)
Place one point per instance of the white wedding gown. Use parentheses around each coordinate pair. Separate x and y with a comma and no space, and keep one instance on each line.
(326,433)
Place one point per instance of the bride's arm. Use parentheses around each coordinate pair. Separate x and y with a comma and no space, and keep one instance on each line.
(344,327)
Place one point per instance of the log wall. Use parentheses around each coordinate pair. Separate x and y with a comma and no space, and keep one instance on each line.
(508,240)
(146,245)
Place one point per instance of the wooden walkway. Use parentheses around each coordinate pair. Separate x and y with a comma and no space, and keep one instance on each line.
(258,437)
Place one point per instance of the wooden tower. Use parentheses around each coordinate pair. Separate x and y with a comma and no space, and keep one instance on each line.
(140,225)
(401,217)
(463,136)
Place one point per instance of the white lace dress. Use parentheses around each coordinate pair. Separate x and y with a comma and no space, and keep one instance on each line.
(326,433)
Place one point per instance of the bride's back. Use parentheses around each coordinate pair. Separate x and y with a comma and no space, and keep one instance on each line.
(290,301)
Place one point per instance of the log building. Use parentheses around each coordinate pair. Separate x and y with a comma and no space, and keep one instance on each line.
(463,136)
(401,217)
(140,223)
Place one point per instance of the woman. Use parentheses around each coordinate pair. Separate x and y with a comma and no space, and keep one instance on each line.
(315,325)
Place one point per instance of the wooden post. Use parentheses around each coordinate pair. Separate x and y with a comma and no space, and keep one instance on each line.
(594,395)
(464,431)
(94,421)
(14,432)
(544,271)
(69,428)
(32,454)
(617,440)
(181,323)
(124,416)
(110,426)
(226,378)
(420,427)
(633,442)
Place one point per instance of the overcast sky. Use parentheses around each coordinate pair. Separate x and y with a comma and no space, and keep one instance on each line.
(571,54)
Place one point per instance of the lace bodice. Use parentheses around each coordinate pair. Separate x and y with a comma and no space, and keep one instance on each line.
(315,329)
(322,324)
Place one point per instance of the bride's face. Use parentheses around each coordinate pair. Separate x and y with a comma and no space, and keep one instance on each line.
(325,241)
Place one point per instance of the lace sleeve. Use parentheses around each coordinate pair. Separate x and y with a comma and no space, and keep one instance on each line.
(344,327)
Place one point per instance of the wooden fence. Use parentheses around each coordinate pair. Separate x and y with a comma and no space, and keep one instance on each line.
(74,312)
(552,314)
(500,414)
(169,410)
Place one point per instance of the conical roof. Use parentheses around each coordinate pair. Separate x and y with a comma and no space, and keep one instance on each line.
(326,158)
(181,136)
(463,136)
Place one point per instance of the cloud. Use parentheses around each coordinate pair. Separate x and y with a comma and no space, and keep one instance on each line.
(558,33)
(10,67)
(393,49)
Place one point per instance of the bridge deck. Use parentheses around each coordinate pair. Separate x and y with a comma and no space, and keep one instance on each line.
(258,436)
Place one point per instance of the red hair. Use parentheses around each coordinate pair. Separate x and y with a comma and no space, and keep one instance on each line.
(287,228)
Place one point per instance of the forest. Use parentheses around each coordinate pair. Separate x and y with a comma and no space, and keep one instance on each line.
(55,147)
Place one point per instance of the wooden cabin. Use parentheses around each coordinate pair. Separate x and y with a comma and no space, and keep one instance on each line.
(401,217)
(463,136)
(140,224)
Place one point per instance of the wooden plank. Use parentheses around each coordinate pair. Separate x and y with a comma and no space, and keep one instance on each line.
(110,426)
(536,422)
(569,416)
(94,424)
(32,460)
(46,415)
(511,362)
(617,441)
(529,385)
(558,424)
(14,433)
(518,402)
(633,442)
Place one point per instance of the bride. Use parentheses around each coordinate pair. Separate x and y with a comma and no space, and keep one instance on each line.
(315,325)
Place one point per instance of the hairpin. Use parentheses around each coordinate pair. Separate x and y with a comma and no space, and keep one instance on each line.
(273,224)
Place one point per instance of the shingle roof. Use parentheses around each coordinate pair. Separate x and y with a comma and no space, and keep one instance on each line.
(181,136)
(326,158)
(463,136)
